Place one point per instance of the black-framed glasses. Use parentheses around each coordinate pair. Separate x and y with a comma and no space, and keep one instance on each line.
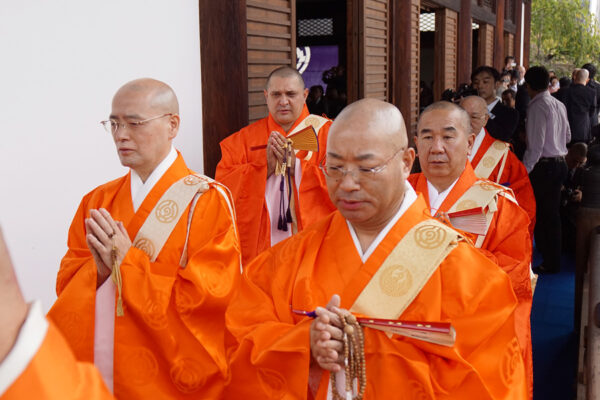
(363,173)
(112,126)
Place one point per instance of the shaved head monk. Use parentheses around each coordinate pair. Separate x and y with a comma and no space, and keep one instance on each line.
(273,203)
(378,256)
(35,360)
(492,159)
(152,261)
(486,213)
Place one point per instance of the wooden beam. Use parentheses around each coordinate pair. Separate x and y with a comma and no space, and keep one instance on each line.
(405,61)
(223,59)
(499,35)
(483,15)
(465,42)
(526,34)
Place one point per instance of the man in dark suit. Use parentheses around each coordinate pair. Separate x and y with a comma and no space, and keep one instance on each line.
(596,86)
(580,102)
(503,120)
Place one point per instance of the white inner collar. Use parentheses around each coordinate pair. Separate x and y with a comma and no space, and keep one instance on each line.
(409,197)
(139,189)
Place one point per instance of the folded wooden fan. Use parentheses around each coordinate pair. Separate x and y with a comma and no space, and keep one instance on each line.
(304,139)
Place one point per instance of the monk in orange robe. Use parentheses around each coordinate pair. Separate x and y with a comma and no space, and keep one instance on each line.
(35,360)
(247,168)
(150,315)
(500,165)
(353,253)
(448,184)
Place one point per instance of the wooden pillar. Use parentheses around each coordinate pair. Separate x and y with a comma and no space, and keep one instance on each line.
(526,33)
(405,61)
(486,45)
(465,42)
(446,37)
(499,35)
(518,21)
(224,75)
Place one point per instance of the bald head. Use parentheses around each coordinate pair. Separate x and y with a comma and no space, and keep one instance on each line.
(146,114)
(374,116)
(463,118)
(285,72)
(476,107)
(581,76)
(158,95)
(367,146)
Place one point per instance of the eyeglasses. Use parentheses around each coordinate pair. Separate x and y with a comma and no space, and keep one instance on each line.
(111,125)
(337,173)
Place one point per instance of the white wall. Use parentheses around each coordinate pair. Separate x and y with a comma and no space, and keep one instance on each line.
(62,61)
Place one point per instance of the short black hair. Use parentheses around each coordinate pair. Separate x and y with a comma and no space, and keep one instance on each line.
(592,68)
(514,74)
(487,69)
(593,154)
(510,92)
(537,78)
(564,82)
(508,58)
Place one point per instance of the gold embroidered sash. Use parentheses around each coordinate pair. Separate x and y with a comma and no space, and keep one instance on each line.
(406,270)
(481,194)
(166,214)
(497,152)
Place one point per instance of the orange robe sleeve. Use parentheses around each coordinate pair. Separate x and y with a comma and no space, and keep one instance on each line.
(55,374)
(170,341)
(508,245)
(244,172)
(514,176)
(272,359)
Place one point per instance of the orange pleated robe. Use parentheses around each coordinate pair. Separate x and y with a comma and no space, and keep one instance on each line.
(514,176)
(273,358)
(55,374)
(244,172)
(507,244)
(170,342)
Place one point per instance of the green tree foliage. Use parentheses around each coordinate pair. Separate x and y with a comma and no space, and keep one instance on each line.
(564,35)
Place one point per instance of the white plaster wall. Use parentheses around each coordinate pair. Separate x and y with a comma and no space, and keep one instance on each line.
(61,62)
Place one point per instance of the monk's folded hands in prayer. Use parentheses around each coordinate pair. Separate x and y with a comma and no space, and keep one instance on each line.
(326,336)
(103,235)
(276,153)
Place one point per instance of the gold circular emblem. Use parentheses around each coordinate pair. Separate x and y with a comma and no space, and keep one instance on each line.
(155,311)
(466,205)
(314,121)
(498,145)
(145,245)
(429,236)
(192,180)
(488,162)
(510,362)
(488,186)
(395,281)
(166,211)
(187,374)
(140,366)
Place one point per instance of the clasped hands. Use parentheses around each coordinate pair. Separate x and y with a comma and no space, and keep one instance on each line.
(326,345)
(276,152)
(102,233)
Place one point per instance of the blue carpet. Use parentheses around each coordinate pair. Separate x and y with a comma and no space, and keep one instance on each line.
(553,337)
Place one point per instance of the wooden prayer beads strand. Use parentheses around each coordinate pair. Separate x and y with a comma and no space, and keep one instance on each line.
(354,359)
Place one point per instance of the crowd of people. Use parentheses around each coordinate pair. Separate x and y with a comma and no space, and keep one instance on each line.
(296,272)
